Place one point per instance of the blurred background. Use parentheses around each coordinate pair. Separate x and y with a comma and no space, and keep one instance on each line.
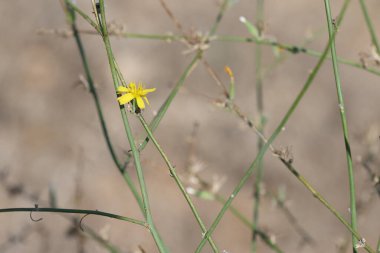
(51,140)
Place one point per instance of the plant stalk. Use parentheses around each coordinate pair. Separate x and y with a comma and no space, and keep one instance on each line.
(260,127)
(351,178)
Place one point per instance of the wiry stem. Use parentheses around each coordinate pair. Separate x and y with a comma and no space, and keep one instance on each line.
(351,178)
(260,127)
(81,211)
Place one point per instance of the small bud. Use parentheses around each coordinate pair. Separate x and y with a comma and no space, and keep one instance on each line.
(242,19)
(229,72)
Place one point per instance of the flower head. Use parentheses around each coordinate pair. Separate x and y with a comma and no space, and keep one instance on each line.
(133,92)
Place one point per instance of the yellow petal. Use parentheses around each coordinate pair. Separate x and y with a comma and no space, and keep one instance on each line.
(121,89)
(140,102)
(146,91)
(125,98)
(146,99)
(132,86)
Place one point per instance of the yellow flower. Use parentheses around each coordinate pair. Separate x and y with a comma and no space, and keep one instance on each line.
(132,92)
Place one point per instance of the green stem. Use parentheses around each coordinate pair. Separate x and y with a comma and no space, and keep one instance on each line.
(371,29)
(318,196)
(178,181)
(92,89)
(378,246)
(260,109)
(136,155)
(143,188)
(344,124)
(294,49)
(274,135)
(64,210)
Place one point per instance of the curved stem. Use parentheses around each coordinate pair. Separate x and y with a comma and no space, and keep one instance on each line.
(64,210)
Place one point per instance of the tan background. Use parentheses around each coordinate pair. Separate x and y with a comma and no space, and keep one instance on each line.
(50,133)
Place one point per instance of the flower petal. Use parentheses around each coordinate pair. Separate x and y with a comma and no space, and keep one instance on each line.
(132,86)
(140,102)
(146,99)
(146,91)
(125,98)
(122,89)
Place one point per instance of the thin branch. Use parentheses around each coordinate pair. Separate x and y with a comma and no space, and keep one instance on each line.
(351,178)
(64,210)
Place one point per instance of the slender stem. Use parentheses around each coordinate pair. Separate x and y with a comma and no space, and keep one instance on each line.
(136,155)
(318,196)
(378,246)
(166,37)
(260,127)
(351,178)
(99,111)
(371,29)
(294,49)
(64,210)
(274,135)
(178,181)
